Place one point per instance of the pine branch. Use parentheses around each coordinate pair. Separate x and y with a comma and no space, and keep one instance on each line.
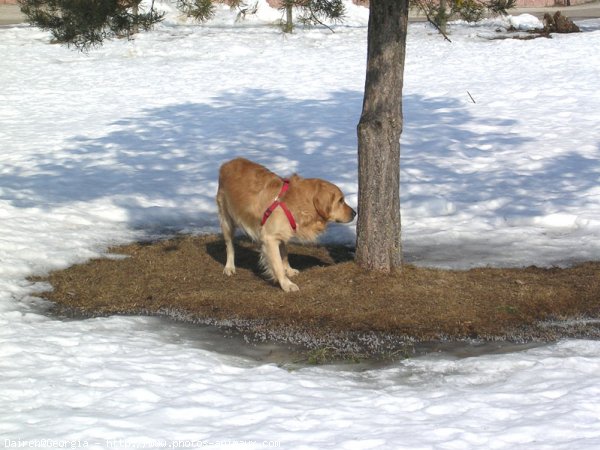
(425,9)
(314,18)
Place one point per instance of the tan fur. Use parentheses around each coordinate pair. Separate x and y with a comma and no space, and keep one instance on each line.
(247,189)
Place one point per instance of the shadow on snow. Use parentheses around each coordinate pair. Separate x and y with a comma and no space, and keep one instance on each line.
(161,166)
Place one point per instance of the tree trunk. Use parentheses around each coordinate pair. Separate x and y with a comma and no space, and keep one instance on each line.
(442,17)
(289,20)
(135,12)
(378,243)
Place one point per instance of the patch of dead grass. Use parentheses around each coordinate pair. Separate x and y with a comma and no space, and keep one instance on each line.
(337,301)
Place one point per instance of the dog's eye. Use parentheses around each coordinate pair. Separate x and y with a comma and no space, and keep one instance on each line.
(341,201)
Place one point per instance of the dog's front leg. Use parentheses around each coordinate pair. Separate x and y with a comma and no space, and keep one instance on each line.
(283,250)
(274,265)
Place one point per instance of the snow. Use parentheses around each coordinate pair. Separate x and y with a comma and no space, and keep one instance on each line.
(124,142)
(525,22)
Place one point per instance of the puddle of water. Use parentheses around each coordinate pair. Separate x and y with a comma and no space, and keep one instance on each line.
(233,343)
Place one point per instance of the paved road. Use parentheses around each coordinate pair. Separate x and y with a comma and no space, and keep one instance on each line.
(579,12)
(10,14)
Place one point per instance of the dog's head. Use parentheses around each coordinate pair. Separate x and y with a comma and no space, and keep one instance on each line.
(330,203)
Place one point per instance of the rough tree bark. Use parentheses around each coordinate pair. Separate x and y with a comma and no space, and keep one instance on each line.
(378,243)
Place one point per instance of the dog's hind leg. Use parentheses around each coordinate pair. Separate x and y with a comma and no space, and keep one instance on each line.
(283,250)
(228,228)
(271,259)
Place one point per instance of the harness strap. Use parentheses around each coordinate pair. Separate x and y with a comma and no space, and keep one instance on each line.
(278,202)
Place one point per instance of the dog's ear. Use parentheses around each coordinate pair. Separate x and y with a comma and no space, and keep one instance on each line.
(323,201)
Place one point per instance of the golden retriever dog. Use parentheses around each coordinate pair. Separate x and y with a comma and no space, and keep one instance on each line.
(272,210)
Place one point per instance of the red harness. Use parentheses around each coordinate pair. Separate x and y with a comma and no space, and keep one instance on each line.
(278,202)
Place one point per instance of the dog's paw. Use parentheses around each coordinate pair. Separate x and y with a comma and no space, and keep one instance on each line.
(288,286)
(291,272)
(229,271)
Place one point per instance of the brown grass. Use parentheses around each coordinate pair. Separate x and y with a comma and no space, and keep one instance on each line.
(339,305)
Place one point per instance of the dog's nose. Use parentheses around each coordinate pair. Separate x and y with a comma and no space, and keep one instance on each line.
(353,214)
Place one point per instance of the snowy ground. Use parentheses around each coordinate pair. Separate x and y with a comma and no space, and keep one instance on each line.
(125,141)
